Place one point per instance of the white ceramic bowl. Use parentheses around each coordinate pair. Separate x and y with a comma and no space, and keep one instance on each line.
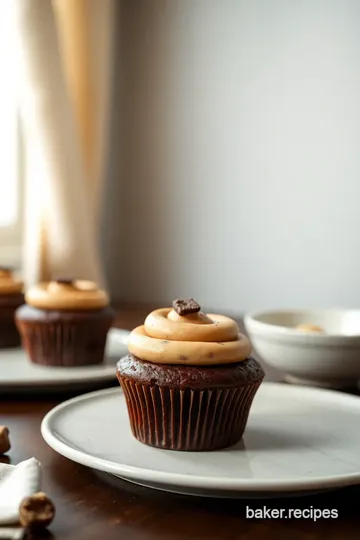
(330,359)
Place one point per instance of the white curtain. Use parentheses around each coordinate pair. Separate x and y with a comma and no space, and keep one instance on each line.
(64,68)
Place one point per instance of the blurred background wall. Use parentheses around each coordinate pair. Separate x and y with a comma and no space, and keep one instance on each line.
(235,153)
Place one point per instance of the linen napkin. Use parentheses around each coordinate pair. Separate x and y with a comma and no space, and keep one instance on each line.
(16,483)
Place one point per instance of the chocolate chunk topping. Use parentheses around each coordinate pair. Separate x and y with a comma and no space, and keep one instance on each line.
(185,307)
(64,281)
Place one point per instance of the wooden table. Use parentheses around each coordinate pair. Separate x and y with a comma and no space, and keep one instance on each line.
(88,508)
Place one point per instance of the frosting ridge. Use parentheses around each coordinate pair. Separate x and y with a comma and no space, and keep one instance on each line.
(63,294)
(193,339)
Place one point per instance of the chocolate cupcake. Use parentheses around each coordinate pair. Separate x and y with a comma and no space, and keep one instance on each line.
(65,323)
(11,297)
(188,379)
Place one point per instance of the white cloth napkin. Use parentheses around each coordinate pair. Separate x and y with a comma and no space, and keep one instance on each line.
(16,483)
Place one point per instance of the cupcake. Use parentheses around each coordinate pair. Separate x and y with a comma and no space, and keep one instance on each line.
(65,323)
(188,379)
(11,297)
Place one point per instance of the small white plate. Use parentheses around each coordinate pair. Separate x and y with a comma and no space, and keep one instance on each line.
(18,374)
(298,439)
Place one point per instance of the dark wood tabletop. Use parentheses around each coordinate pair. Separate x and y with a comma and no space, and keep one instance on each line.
(89,507)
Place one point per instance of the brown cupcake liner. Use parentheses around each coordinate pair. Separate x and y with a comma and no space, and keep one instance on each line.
(64,342)
(187,419)
(9,335)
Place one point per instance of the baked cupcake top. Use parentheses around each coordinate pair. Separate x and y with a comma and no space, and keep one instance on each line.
(67,294)
(185,335)
(9,284)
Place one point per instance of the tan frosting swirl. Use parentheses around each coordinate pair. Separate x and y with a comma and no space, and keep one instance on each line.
(67,294)
(8,283)
(194,339)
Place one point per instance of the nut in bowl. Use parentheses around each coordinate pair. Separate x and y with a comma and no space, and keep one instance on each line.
(314,347)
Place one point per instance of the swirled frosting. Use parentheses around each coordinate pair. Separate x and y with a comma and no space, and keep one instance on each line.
(64,294)
(8,283)
(193,339)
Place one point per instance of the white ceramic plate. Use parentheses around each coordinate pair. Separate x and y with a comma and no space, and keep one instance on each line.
(17,373)
(118,482)
(298,439)
(213,493)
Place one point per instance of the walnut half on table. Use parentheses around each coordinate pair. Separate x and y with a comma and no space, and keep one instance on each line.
(4,440)
(37,511)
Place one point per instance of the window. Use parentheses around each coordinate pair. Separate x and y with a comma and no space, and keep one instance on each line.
(10,184)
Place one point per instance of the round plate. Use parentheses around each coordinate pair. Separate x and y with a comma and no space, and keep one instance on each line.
(214,493)
(297,439)
(17,373)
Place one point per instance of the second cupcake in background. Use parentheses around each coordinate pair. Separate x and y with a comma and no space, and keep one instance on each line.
(11,297)
(65,323)
(189,379)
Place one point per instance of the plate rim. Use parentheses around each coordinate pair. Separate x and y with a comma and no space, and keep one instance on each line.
(106,374)
(203,482)
(226,495)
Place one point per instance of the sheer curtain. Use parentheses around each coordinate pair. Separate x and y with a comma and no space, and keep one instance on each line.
(64,71)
